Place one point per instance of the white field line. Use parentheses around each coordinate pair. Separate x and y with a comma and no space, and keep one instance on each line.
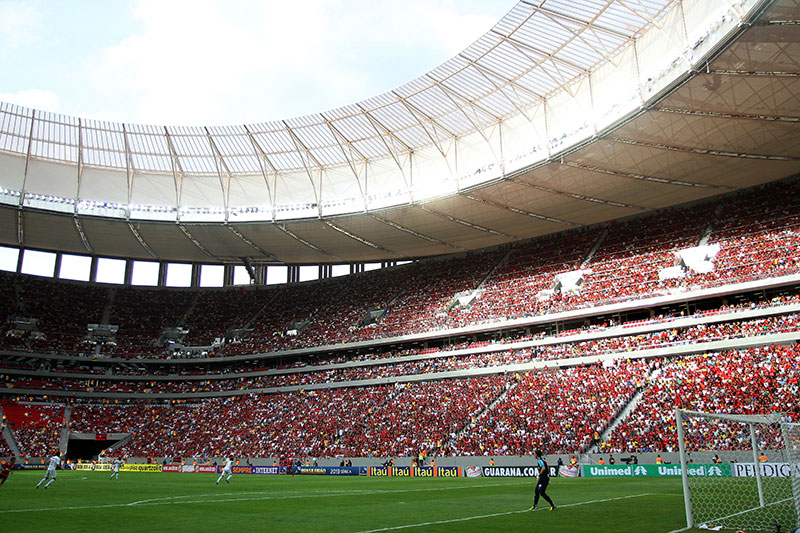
(215,497)
(478,517)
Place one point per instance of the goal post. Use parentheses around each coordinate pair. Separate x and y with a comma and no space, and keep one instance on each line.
(739,471)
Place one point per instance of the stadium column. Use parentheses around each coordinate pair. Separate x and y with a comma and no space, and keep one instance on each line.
(93,269)
(260,272)
(227,275)
(57,266)
(162,274)
(195,274)
(128,272)
(293,273)
(325,271)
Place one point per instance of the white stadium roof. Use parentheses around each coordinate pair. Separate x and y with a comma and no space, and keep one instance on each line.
(564,114)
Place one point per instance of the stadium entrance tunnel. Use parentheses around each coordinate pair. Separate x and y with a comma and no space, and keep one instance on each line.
(89,445)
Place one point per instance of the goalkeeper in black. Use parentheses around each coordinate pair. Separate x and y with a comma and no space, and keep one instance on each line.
(542,482)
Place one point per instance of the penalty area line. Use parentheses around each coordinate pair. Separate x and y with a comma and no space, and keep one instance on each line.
(492,515)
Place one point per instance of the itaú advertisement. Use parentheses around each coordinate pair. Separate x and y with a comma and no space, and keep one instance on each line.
(414,471)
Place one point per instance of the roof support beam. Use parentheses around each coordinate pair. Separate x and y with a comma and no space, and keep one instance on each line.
(82,234)
(744,116)
(417,113)
(703,151)
(20,229)
(177,173)
(576,196)
(196,242)
(262,158)
(299,239)
(756,74)
(643,177)
(347,153)
(27,160)
(469,224)
(221,166)
(141,240)
(490,75)
(417,234)
(263,252)
(128,171)
(301,148)
(519,211)
(80,167)
(384,133)
(362,240)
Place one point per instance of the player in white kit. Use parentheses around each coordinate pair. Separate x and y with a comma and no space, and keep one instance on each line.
(55,461)
(226,470)
(117,463)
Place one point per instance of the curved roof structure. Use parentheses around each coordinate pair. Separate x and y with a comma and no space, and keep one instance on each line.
(564,114)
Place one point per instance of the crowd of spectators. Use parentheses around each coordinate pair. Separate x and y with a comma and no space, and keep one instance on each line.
(36,428)
(758,233)
(557,410)
(467,356)
(753,381)
(562,410)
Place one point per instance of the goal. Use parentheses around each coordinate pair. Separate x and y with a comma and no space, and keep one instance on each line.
(739,471)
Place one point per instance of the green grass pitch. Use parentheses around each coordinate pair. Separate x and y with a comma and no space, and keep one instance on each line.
(90,501)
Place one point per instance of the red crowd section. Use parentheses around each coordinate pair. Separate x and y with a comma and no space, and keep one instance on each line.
(391,364)
(36,428)
(562,411)
(758,233)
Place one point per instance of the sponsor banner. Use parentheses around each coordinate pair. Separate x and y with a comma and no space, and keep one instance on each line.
(510,471)
(767,469)
(449,471)
(569,471)
(422,471)
(90,466)
(416,471)
(699,470)
(32,467)
(311,470)
(206,469)
(140,468)
(474,471)
(266,470)
(380,471)
(329,470)
(187,469)
(171,468)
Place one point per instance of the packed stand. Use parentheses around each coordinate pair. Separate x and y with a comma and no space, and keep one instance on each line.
(558,410)
(139,332)
(233,378)
(36,428)
(753,381)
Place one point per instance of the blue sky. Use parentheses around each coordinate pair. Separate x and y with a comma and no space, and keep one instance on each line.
(202,62)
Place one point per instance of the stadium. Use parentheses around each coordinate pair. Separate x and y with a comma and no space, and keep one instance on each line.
(586,220)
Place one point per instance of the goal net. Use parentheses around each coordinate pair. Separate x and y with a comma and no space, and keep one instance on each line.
(739,472)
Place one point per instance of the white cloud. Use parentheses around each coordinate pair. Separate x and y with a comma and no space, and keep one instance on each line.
(33,98)
(208,62)
(19,23)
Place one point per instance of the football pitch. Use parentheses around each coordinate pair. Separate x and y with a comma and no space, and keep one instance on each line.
(90,501)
